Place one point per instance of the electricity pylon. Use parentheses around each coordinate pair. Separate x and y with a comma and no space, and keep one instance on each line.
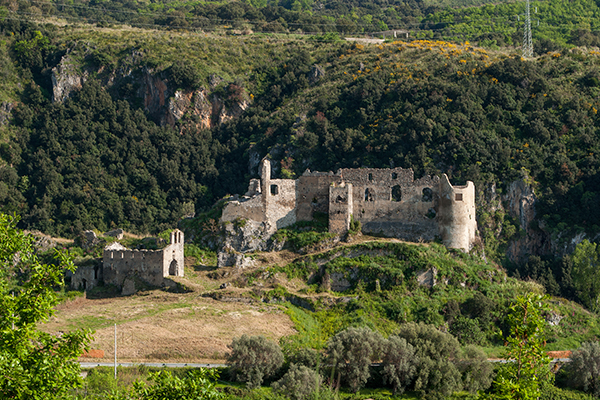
(527,41)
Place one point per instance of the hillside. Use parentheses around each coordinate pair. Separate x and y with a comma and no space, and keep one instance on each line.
(302,300)
(134,128)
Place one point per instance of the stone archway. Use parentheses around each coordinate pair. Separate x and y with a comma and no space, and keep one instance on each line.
(173,268)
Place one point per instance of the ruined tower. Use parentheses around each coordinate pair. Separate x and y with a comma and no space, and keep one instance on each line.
(458,226)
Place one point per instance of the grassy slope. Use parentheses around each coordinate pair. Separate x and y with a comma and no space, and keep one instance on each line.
(158,325)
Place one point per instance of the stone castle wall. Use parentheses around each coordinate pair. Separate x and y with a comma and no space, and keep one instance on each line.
(458,226)
(386,201)
(340,207)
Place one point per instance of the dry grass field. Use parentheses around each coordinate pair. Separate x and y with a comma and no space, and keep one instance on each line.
(158,325)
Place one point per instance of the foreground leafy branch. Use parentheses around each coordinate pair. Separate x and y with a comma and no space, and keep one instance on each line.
(33,364)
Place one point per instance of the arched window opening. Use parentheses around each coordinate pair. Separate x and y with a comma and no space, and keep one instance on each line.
(394,175)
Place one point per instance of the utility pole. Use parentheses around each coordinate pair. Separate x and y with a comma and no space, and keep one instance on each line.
(115,351)
(527,41)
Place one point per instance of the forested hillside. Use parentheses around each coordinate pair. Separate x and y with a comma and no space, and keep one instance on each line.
(100,155)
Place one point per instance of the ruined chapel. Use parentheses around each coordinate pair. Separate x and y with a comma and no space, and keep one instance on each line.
(122,266)
(386,201)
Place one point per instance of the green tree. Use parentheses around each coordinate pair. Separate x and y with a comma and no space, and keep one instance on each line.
(198,384)
(253,358)
(299,383)
(586,273)
(529,365)
(585,367)
(33,364)
(477,372)
(399,363)
(436,373)
(352,351)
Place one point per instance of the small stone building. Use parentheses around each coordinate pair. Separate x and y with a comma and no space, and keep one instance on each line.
(386,201)
(120,266)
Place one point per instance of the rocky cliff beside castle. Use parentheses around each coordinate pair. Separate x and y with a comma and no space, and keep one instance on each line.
(166,104)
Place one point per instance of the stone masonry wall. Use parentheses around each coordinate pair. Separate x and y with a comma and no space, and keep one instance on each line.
(340,208)
(281,203)
(152,266)
(313,193)
(385,201)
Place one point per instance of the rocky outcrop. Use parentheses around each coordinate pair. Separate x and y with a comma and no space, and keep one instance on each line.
(241,237)
(166,105)
(520,201)
(66,78)
(155,92)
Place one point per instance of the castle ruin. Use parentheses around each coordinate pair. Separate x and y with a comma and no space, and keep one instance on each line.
(121,266)
(386,201)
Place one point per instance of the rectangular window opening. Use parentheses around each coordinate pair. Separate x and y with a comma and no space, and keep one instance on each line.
(274,190)
(458,197)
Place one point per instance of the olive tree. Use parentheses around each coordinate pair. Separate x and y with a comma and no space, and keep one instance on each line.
(299,383)
(585,367)
(399,363)
(477,372)
(253,358)
(351,352)
(436,351)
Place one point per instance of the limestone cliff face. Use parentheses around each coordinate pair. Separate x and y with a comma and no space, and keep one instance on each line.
(520,201)
(165,104)
(66,78)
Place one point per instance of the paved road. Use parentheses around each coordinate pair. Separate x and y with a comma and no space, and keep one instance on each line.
(166,365)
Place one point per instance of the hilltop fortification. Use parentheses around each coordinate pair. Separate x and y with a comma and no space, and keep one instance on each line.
(386,201)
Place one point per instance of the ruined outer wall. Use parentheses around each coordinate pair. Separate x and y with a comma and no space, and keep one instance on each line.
(458,226)
(250,206)
(280,202)
(390,202)
(340,208)
(118,264)
(313,193)
(86,277)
